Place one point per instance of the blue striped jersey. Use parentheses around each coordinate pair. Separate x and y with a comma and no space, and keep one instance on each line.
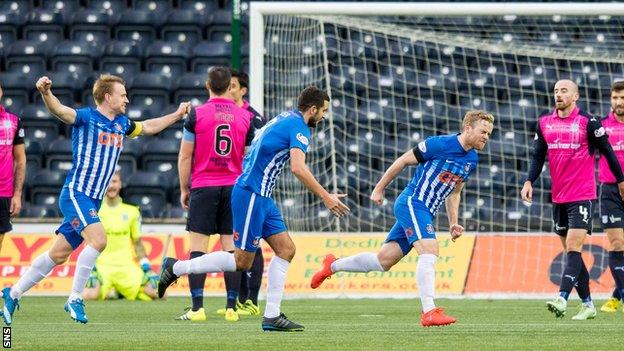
(270,150)
(443,165)
(96,144)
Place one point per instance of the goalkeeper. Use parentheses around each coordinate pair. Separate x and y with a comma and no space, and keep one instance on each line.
(116,272)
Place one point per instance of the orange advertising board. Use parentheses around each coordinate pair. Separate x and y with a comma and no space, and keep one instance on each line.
(452,267)
(532,264)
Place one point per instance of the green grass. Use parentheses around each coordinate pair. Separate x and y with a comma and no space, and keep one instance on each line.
(341,324)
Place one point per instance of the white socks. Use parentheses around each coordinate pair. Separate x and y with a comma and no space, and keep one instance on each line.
(275,286)
(362,262)
(84,266)
(39,268)
(218,261)
(425,277)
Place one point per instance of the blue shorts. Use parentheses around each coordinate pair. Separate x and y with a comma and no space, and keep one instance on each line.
(79,211)
(414,222)
(254,217)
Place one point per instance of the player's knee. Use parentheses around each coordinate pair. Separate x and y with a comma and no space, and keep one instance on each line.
(58,257)
(288,252)
(98,243)
(617,244)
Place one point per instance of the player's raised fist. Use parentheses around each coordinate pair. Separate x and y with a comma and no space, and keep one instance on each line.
(377,196)
(184,109)
(44,84)
(456,231)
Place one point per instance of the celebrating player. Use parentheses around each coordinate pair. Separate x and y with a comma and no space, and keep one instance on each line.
(211,158)
(97,140)
(611,205)
(255,214)
(445,163)
(569,137)
(12,168)
(117,271)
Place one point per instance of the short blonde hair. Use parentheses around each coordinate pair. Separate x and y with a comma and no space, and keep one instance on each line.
(473,116)
(104,85)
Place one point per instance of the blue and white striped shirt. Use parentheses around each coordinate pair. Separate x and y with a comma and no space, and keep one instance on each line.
(443,165)
(270,150)
(96,145)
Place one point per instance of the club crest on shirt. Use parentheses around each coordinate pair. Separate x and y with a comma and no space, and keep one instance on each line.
(429,228)
(93,213)
(302,138)
(422,146)
(75,223)
(124,217)
(117,126)
(409,232)
(467,167)
(574,127)
(8,124)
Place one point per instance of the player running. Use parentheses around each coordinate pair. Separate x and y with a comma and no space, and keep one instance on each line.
(444,164)
(255,214)
(97,141)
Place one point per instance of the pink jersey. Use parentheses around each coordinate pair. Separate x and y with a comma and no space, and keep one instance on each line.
(11,133)
(222,130)
(615,131)
(570,143)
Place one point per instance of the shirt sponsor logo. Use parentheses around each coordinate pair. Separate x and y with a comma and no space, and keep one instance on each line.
(422,146)
(110,139)
(302,139)
(449,178)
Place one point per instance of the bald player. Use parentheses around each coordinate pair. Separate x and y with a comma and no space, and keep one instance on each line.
(569,138)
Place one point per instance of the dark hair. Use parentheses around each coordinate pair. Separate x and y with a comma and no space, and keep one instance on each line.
(618,86)
(243,78)
(219,79)
(312,96)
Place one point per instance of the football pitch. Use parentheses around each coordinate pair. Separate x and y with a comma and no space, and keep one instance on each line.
(337,324)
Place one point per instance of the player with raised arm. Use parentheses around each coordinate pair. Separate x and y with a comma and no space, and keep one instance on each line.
(255,214)
(211,158)
(444,164)
(569,138)
(611,204)
(116,271)
(97,139)
(12,168)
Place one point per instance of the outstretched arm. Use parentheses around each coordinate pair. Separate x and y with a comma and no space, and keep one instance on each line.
(52,103)
(408,158)
(156,125)
(302,172)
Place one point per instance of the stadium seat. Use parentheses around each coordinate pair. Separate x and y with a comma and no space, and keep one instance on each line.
(191,87)
(46,186)
(111,7)
(75,57)
(39,211)
(167,58)
(184,26)
(203,7)
(66,88)
(207,54)
(147,190)
(64,7)
(10,24)
(219,28)
(151,90)
(138,26)
(175,212)
(16,88)
(44,26)
(37,116)
(122,58)
(15,6)
(156,6)
(130,156)
(34,154)
(161,155)
(91,26)
(27,57)
(59,155)
(173,132)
